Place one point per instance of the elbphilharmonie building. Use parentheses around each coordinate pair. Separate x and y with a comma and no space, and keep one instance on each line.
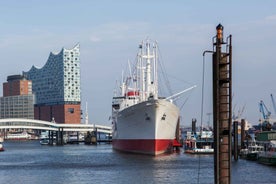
(56,87)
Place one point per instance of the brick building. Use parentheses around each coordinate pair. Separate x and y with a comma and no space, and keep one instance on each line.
(17,100)
(17,85)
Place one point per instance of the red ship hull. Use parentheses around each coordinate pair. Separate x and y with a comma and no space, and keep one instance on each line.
(144,146)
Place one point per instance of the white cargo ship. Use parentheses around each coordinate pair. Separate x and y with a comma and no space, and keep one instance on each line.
(142,121)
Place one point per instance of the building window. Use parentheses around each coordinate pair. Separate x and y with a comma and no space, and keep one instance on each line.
(71,110)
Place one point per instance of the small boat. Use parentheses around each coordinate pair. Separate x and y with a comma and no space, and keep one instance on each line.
(108,136)
(252,151)
(268,156)
(18,136)
(75,138)
(44,138)
(199,143)
(1,145)
(44,141)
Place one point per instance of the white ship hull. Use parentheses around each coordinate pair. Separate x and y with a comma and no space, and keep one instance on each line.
(18,136)
(148,127)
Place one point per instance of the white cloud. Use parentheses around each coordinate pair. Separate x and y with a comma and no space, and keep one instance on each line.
(93,38)
(271,18)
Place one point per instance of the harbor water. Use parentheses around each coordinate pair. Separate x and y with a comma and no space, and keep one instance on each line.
(30,162)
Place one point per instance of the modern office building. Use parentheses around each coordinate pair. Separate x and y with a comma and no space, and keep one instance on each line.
(17,100)
(56,87)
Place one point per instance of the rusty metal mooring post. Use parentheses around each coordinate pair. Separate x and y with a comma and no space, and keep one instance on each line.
(222,105)
(242,134)
(194,126)
(235,136)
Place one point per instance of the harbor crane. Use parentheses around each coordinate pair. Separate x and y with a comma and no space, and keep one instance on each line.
(273,103)
(265,124)
(264,110)
(239,114)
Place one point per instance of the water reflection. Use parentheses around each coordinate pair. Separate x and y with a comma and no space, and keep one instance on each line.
(28,162)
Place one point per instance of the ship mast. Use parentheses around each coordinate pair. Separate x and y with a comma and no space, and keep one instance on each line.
(123,87)
(150,78)
(140,73)
(155,54)
(148,70)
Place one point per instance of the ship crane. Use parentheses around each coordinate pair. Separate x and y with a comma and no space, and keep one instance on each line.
(177,95)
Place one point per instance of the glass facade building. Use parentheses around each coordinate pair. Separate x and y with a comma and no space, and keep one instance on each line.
(56,87)
(19,106)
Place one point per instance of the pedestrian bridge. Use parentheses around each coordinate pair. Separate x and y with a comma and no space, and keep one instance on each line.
(21,123)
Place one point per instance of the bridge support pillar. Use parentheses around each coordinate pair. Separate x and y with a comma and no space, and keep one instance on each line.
(5,134)
(59,136)
(51,137)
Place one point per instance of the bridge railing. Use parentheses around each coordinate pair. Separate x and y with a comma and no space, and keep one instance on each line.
(18,123)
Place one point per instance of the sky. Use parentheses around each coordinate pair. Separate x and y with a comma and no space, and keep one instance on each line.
(109,33)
